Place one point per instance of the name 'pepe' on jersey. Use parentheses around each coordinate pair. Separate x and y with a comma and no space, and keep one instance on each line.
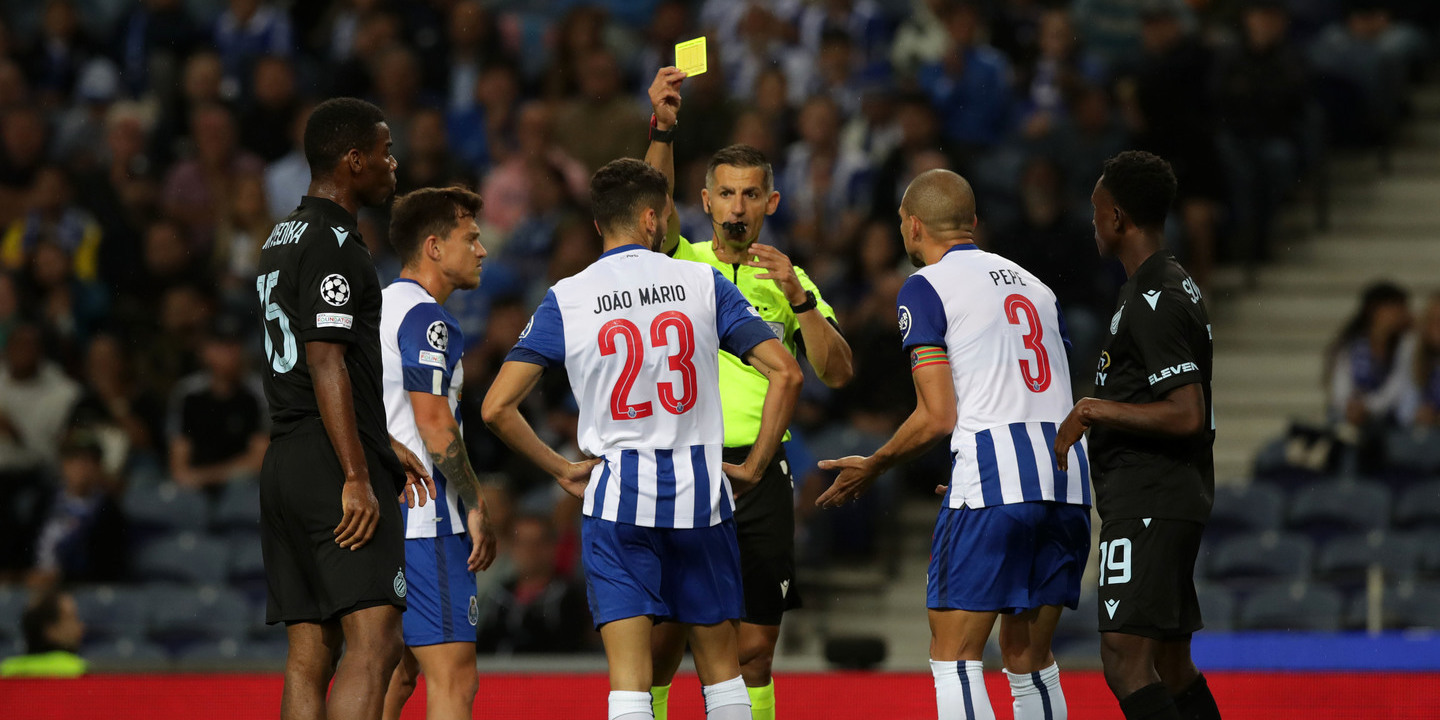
(639,335)
(318,283)
(1159,340)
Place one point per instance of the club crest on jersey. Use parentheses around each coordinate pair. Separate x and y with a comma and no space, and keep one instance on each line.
(1115,320)
(438,335)
(400,583)
(474,614)
(904,322)
(335,289)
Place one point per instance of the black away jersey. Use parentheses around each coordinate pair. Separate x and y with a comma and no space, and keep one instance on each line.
(318,283)
(1159,341)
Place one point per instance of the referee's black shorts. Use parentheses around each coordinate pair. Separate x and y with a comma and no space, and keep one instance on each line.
(765,529)
(309,577)
(1147,577)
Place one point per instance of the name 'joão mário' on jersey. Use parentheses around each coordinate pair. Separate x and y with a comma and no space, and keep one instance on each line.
(641,334)
(1012,388)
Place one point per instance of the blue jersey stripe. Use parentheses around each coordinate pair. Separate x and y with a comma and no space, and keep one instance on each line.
(1025,463)
(1084,473)
(989,469)
(1062,478)
(600,487)
(629,486)
(665,488)
(1044,695)
(702,485)
(965,689)
(442,575)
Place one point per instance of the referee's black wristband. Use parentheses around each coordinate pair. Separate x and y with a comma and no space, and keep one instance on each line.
(806,306)
(658,135)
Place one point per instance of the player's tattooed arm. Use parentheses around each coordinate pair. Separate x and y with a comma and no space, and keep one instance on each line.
(446,448)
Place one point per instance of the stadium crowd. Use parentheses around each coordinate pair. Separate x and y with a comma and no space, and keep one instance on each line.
(147,147)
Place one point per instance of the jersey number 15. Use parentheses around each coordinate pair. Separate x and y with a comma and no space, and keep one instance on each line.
(681,361)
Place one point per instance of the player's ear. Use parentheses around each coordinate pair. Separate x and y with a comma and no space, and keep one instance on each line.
(773,203)
(355,160)
(705,199)
(432,247)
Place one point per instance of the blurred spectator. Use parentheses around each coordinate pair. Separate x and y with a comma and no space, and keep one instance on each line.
(1364,365)
(528,247)
(1422,404)
(23,143)
(430,161)
(1362,59)
(53,632)
(970,85)
(482,131)
(1262,95)
(112,405)
(919,132)
(288,178)
(772,102)
(71,308)
(377,32)
(861,23)
(247,30)
(506,188)
(194,188)
(200,86)
(14,88)
(244,225)
(762,43)
(217,421)
(54,57)
(266,121)
(474,47)
(825,186)
(668,27)
(1050,81)
(602,123)
(398,92)
(875,131)
(535,611)
(123,192)
(9,307)
(80,133)
(84,536)
(921,38)
(1083,142)
(577,36)
(152,38)
(1112,27)
(52,217)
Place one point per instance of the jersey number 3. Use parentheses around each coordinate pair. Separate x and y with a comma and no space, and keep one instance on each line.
(1036,372)
(681,361)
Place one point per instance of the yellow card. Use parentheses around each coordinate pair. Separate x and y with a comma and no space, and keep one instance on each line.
(690,56)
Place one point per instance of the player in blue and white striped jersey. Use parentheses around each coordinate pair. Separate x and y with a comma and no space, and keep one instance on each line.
(639,334)
(988,358)
(449,538)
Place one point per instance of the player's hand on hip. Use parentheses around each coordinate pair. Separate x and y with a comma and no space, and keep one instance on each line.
(416,478)
(482,540)
(743,478)
(856,475)
(1070,433)
(360,514)
(777,267)
(665,96)
(577,475)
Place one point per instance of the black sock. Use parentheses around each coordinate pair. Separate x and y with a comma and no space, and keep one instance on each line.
(1196,702)
(1152,702)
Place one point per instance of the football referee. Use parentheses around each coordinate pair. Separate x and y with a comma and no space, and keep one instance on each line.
(739,193)
(1152,432)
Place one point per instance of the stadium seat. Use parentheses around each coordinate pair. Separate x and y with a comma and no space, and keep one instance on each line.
(164,509)
(126,655)
(1427,548)
(1256,507)
(1264,555)
(1419,507)
(1339,506)
(239,507)
(1405,605)
(187,557)
(247,562)
(1414,450)
(1217,607)
(1346,559)
(272,652)
(112,612)
(1292,606)
(182,615)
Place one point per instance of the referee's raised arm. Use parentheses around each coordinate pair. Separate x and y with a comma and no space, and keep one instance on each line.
(665,104)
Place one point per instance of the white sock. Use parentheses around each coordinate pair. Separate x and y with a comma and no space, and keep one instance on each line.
(630,705)
(1038,695)
(960,690)
(728,700)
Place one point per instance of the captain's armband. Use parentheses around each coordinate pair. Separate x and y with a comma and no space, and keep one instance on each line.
(927,355)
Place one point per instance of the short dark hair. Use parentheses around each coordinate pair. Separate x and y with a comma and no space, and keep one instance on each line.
(623,189)
(428,211)
(740,156)
(1142,184)
(336,127)
(37,619)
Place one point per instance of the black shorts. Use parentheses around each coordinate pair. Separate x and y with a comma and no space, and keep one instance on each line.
(309,577)
(765,529)
(1147,577)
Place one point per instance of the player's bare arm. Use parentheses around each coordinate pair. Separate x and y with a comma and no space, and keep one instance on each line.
(501,413)
(1180,413)
(416,478)
(825,347)
(446,446)
(779,367)
(361,511)
(665,103)
(933,419)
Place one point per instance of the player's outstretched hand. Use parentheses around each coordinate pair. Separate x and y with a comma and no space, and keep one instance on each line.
(777,267)
(416,478)
(1069,433)
(360,513)
(577,476)
(665,95)
(856,475)
(482,539)
(743,478)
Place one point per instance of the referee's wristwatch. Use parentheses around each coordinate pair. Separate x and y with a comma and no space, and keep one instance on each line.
(806,306)
(658,135)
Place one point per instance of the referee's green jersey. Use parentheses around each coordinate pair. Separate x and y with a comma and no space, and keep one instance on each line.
(742,388)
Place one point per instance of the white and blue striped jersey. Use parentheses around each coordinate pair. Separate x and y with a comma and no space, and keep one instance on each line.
(420,346)
(639,334)
(1006,342)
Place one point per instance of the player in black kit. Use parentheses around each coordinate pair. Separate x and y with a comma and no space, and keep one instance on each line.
(334,554)
(1152,433)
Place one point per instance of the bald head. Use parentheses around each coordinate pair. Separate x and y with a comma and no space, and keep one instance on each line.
(941,200)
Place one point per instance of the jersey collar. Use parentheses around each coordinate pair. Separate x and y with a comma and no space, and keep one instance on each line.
(327,205)
(961,246)
(622,249)
(416,283)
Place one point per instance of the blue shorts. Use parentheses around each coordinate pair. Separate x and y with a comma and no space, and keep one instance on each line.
(683,575)
(440,591)
(1008,558)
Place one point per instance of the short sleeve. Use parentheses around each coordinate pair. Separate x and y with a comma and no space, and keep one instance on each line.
(542,342)
(1161,333)
(684,251)
(921,314)
(331,274)
(430,343)
(736,320)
